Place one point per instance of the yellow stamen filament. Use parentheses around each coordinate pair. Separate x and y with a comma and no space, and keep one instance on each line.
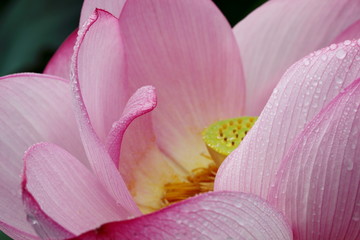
(200,181)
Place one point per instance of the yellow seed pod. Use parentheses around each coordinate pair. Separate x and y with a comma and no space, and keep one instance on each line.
(223,137)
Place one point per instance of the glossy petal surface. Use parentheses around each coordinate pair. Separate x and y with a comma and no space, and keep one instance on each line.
(318,184)
(66,191)
(33,108)
(281,32)
(304,90)
(187,51)
(221,215)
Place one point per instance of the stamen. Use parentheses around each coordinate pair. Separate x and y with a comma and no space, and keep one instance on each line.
(200,181)
(223,137)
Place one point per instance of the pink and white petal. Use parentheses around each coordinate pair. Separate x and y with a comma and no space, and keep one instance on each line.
(100,160)
(220,215)
(352,32)
(187,51)
(281,32)
(59,64)
(66,191)
(33,108)
(140,103)
(112,6)
(101,69)
(318,185)
(303,91)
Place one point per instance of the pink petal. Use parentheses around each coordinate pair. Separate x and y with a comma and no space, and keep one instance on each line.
(142,101)
(33,108)
(185,49)
(100,161)
(59,64)
(304,90)
(44,226)
(143,166)
(16,233)
(319,181)
(352,32)
(281,32)
(89,6)
(220,215)
(67,192)
(101,69)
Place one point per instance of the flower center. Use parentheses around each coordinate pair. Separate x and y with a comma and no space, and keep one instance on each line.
(221,138)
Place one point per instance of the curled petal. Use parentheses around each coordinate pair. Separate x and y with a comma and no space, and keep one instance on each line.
(100,161)
(112,6)
(220,215)
(101,71)
(318,184)
(143,101)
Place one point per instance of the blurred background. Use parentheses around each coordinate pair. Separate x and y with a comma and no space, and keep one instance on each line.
(32,30)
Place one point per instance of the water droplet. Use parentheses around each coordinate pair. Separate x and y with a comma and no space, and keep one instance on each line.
(347,42)
(349,165)
(356,217)
(324,57)
(306,61)
(338,80)
(333,46)
(341,54)
(32,220)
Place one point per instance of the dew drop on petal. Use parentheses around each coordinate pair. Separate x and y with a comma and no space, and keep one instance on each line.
(333,46)
(338,80)
(356,217)
(347,42)
(324,57)
(306,61)
(341,54)
(349,165)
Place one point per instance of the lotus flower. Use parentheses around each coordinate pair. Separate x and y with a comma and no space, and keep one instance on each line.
(189,53)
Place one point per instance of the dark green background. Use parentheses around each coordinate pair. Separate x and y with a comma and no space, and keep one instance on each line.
(31,30)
